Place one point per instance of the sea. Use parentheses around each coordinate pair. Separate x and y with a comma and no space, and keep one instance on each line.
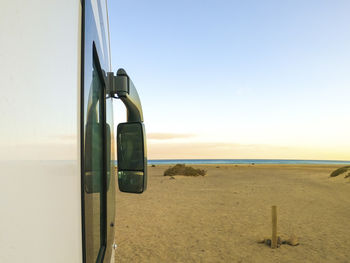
(243,161)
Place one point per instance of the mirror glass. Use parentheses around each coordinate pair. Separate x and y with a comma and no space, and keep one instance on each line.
(132,161)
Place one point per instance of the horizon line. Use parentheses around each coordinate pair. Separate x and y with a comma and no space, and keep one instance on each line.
(282,159)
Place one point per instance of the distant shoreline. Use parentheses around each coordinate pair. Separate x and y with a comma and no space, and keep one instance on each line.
(243,161)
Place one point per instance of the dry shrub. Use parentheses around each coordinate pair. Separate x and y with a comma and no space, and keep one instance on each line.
(181,169)
(340,171)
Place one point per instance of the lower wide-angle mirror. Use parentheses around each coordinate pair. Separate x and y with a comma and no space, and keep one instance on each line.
(132,157)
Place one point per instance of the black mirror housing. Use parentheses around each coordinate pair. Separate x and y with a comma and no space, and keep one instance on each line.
(132,157)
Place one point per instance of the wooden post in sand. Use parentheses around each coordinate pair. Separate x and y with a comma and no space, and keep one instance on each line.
(274,227)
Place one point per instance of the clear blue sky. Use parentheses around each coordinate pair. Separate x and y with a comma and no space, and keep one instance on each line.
(238,79)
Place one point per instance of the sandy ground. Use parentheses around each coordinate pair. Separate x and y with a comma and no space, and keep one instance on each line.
(220,217)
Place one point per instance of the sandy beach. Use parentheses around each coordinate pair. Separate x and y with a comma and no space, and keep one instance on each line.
(221,216)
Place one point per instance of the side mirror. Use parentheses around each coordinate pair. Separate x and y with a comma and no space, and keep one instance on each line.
(132,157)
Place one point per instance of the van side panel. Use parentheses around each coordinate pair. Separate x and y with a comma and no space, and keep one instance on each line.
(40,195)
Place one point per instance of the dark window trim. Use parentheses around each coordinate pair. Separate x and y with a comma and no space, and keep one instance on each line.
(82,130)
(103,206)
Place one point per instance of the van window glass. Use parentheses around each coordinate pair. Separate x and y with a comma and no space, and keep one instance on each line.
(94,170)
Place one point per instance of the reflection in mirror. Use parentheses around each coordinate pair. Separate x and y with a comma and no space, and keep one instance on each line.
(130,156)
(132,160)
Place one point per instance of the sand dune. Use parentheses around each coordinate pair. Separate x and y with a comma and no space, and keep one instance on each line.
(220,217)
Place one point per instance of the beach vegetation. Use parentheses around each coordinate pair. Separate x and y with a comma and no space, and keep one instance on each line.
(340,171)
(181,169)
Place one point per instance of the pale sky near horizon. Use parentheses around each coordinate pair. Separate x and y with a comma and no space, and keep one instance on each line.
(238,79)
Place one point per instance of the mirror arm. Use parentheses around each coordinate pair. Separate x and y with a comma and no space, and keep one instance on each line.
(122,87)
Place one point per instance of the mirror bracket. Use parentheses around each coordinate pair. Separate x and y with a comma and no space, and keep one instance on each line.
(122,87)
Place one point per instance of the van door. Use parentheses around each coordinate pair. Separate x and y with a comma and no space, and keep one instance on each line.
(98,182)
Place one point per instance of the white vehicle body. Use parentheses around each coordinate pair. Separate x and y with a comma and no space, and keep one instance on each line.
(52,54)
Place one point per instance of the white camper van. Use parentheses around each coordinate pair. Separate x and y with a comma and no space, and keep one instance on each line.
(57,140)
